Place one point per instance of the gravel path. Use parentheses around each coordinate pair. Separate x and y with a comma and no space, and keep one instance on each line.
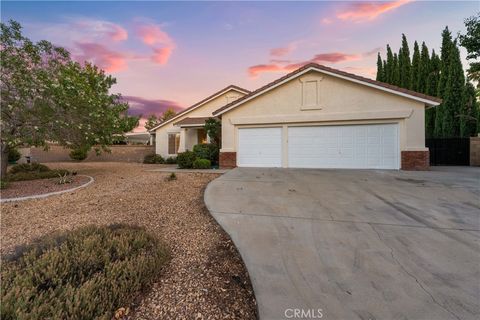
(205,279)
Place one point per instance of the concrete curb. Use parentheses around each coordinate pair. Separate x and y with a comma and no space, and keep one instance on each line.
(45,195)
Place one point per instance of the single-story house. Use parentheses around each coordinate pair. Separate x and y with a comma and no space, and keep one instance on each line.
(313,117)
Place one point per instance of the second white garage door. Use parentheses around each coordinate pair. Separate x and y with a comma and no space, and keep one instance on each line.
(348,146)
(259,147)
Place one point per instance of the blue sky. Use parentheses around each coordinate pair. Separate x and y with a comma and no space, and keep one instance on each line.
(176,53)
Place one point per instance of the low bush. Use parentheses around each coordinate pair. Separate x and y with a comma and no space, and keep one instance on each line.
(79,154)
(185,159)
(29,167)
(34,175)
(202,164)
(172,177)
(207,151)
(171,160)
(87,273)
(153,158)
(13,155)
(3,184)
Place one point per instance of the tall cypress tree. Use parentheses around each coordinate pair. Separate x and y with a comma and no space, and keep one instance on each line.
(453,95)
(396,71)
(423,69)
(432,89)
(404,64)
(415,70)
(389,70)
(380,73)
(445,53)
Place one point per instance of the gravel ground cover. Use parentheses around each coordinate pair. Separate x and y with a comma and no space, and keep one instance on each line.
(39,186)
(206,278)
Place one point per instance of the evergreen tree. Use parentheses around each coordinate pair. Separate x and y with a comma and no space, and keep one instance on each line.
(380,74)
(396,71)
(423,69)
(385,71)
(389,70)
(445,53)
(470,114)
(415,70)
(453,96)
(432,89)
(404,64)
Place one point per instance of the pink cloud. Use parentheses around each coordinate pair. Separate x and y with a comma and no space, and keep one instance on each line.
(161,43)
(282,51)
(286,66)
(367,11)
(327,21)
(101,30)
(161,55)
(101,56)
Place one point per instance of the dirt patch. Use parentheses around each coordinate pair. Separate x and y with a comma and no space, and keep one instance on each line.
(205,278)
(39,186)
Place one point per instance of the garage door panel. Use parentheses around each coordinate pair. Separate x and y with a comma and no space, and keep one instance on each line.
(349,146)
(259,147)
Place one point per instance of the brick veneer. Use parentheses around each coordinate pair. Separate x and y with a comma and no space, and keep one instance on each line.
(415,160)
(228,160)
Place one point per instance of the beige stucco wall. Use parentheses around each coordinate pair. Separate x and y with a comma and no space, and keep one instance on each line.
(339,101)
(161,134)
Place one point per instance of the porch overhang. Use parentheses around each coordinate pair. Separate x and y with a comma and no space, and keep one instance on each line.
(192,122)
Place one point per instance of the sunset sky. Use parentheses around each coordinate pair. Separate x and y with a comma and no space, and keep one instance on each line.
(173,54)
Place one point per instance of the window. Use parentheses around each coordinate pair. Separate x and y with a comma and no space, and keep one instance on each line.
(201,136)
(173,143)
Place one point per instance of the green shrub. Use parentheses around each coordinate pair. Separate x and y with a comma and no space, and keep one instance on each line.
(172,177)
(171,160)
(29,167)
(3,184)
(202,164)
(79,154)
(87,273)
(153,158)
(185,159)
(35,175)
(13,155)
(207,151)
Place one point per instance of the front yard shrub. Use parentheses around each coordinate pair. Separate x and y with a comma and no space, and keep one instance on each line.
(13,155)
(171,160)
(3,184)
(79,154)
(87,273)
(172,177)
(207,151)
(153,158)
(202,164)
(185,159)
(29,167)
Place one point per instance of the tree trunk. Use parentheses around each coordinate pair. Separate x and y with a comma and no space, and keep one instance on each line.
(4,160)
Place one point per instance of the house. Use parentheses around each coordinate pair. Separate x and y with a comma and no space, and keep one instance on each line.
(313,117)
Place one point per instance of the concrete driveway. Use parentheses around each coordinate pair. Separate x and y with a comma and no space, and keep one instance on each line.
(356,244)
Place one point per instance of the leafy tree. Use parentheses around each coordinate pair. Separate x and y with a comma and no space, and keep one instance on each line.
(396,71)
(470,113)
(415,69)
(45,96)
(380,71)
(432,89)
(471,42)
(152,122)
(213,127)
(168,114)
(404,64)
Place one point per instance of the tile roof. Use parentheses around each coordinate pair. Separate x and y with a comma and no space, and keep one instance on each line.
(331,70)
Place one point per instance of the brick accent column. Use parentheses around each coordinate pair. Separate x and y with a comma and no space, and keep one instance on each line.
(228,160)
(415,160)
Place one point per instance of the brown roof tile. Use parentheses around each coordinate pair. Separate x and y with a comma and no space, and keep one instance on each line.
(332,70)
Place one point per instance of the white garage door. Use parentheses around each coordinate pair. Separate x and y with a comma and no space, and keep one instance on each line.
(348,146)
(259,147)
